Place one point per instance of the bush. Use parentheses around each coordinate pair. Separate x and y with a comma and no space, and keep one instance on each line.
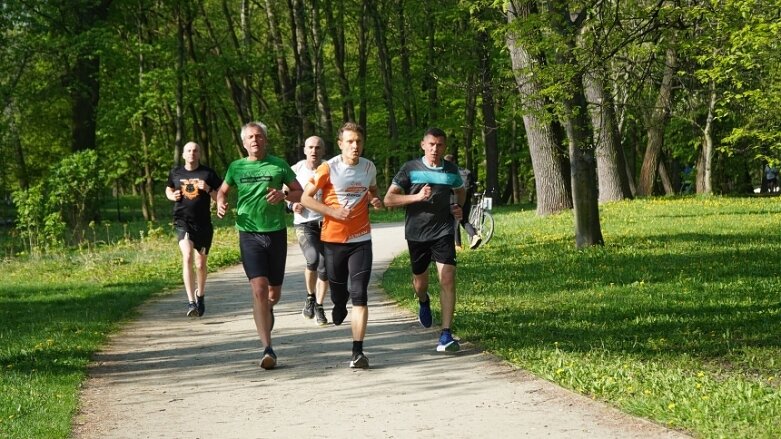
(64,201)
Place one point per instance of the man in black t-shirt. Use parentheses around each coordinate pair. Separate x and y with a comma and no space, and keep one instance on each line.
(192,187)
(432,192)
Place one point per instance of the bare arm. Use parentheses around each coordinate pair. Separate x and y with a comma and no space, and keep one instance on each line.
(222,200)
(395,197)
(374,198)
(173,194)
(310,202)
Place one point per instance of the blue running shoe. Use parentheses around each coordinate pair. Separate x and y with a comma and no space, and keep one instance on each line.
(447,343)
(424,313)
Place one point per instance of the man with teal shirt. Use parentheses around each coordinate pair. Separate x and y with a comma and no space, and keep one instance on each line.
(260,220)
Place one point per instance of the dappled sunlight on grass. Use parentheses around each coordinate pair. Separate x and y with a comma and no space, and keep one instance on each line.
(682,287)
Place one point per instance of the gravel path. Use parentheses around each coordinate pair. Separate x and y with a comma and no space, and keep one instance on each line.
(167,376)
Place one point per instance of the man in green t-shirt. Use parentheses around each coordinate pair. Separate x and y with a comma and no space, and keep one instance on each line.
(260,220)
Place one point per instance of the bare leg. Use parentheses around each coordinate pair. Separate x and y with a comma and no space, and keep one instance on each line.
(321,290)
(261,308)
(420,284)
(447,296)
(358,322)
(186,247)
(201,270)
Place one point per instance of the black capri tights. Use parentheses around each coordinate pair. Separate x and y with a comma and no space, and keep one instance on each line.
(349,267)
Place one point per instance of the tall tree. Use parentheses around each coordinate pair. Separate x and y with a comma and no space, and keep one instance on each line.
(551,192)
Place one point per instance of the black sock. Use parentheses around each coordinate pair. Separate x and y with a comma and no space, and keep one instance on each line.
(428,299)
(445,329)
(357,347)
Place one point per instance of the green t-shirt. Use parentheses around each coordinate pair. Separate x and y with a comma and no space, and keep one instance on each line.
(254,178)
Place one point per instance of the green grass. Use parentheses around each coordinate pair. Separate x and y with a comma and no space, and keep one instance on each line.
(57,309)
(676,319)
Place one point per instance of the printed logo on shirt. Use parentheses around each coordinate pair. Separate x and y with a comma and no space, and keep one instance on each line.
(255,179)
(190,187)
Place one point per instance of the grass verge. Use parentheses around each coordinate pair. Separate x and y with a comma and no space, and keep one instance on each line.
(676,319)
(56,310)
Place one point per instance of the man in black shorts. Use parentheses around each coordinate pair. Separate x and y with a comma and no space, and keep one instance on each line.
(260,220)
(192,187)
(424,187)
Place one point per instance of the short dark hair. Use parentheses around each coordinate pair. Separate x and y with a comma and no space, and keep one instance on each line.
(351,126)
(436,132)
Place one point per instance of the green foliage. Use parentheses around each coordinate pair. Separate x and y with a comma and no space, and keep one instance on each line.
(64,201)
(57,310)
(677,319)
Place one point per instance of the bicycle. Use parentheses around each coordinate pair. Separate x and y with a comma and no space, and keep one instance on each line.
(480,216)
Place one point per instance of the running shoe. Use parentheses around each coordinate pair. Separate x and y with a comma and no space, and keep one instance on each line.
(201,302)
(447,343)
(359,361)
(192,309)
(476,240)
(424,313)
(269,359)
(309,307)
(320,313)
(339,313)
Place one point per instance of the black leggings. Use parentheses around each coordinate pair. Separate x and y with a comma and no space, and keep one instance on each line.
(351,262)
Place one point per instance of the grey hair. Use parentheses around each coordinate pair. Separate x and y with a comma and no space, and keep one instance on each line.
(249,125)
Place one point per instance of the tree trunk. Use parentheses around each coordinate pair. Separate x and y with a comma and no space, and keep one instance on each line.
(491,128)
(336,31)
(363,59)
(708,150)
(656,126)
(305,80)
(611,163)
(407,95)
(429,79)
(664,176)
(470,114)
(387,82)
(326,130)
(551,191)
(179,92)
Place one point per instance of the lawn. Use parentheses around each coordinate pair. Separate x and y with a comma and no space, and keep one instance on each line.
(676,319)
(57,309)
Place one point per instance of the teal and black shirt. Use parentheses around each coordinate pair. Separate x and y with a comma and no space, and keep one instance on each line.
(432,219)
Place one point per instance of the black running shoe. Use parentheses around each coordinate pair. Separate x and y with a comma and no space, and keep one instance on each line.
(201,302)
(192,309)
(309,307)
(320,313)
(359,361)
(269,359)
(339,313)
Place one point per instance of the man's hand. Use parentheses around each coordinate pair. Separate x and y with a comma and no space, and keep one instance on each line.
(424,193)
(275,196)
(221,209)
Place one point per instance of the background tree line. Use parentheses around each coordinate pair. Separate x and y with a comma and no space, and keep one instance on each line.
(560,102)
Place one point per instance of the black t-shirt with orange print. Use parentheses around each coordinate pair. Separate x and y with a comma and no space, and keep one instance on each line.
(193,209)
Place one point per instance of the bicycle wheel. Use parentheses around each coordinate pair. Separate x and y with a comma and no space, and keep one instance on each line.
(487,226)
